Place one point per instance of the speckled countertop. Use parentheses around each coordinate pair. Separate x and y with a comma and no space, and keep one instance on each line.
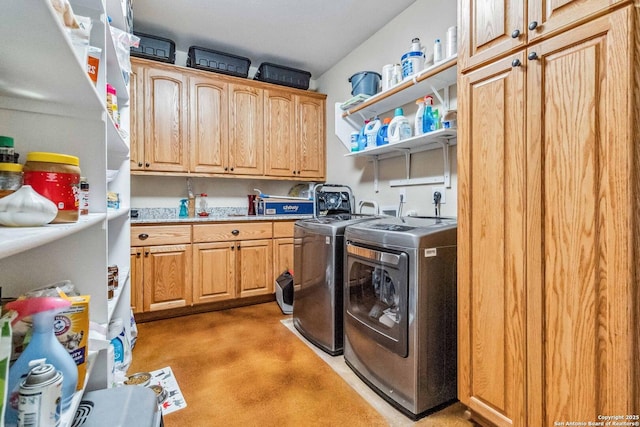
(218,214)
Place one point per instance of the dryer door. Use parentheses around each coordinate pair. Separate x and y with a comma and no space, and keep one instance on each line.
(376,295)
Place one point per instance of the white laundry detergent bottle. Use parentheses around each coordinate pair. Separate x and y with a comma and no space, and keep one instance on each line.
(371,131)
(417,126)
(399,128)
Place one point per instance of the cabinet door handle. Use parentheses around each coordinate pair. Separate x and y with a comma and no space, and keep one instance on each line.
(533,25)
(143,236)
(235,232)
(515,34)
(516,63)
(231,169)
(139,164)
(226,168)
(147,164)
(238,246)
(137,254)
(532,56)
(232,247)
(146,254)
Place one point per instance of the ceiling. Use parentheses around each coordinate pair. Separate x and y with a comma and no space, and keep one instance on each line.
(311,35)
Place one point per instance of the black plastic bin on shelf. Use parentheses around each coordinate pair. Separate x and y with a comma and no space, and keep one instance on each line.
(218,62)
(154,47)
(281,75)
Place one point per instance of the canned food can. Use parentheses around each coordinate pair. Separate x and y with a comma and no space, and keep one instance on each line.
(40,397)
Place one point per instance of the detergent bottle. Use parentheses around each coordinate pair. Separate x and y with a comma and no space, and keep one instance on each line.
(43,345)
(371,131)
(399,128)
(428,123)
(417,126)
(362,138)
(383,135)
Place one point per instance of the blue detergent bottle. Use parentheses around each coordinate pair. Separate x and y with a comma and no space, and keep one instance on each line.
(428,123)
(362,138)
(42,345)
(383,136)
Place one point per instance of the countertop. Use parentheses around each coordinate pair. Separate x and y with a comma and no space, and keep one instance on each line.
(170,215)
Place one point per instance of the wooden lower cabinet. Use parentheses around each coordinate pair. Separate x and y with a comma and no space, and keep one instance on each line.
(161,274)
(240,257)
(137,284)
(282,247)
(214,262)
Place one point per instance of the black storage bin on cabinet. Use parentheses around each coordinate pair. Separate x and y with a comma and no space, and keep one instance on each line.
(154,47)
(281,75)
(218,62)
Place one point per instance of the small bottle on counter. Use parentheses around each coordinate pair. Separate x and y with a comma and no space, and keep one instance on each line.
(203,205)
(84,196)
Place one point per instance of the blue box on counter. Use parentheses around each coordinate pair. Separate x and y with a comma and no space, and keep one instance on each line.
(285,207)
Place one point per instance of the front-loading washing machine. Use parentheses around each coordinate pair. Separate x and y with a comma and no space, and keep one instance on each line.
(400,310)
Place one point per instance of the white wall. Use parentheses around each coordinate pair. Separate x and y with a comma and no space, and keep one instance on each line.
(428,20)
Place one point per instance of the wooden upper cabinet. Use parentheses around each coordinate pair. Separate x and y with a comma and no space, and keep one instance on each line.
(279,133)
(310,144)
(491,29)
(208,124)
(166,143)
(246,142)
(547,17)
(136,106)
(294,135)
(488,29)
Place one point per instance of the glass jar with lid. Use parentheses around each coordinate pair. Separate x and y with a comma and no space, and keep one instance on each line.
(10,178)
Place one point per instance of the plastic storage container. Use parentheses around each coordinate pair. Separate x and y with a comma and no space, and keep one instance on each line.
(219,62)
(56,177)
(154,47)
(365,82)
(281,75)
(10,178)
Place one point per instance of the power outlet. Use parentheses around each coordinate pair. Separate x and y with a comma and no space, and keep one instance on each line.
(403,195)
(442,195)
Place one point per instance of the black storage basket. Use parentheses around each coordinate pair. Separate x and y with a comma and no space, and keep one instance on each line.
(218,62)
(281,75)
(154,47)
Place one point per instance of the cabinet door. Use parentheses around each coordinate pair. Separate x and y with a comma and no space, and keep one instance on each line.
(310,144)
(167,277)
(208,125)
(547,17)
(282,255)
(246,150)
(487,30)
(279,133)
(136,280)
(491,229)
(166,106)
(254,267)
(214,274)
(583,218)
(136,107)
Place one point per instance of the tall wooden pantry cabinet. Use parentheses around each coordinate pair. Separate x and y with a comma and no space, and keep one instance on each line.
(549,211)
(48,103)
